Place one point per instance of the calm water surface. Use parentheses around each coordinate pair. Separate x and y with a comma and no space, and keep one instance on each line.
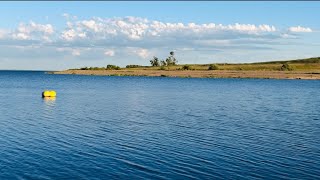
(158,128)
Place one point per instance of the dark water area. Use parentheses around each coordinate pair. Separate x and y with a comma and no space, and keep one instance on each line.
(158,128)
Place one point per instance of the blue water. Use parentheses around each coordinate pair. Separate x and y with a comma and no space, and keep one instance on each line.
(158,128)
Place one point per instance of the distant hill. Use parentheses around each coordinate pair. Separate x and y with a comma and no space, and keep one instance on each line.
(305,61)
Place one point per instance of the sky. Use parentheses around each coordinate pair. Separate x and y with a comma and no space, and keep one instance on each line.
(63,35)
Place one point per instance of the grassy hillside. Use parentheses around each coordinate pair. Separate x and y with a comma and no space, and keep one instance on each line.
(306,61)
(310,64)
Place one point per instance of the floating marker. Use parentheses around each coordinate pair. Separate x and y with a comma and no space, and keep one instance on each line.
(49,94)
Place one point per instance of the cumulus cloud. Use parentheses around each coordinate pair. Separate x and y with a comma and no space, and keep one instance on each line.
(69,34)
(135,29)
(300,29)
(141,32)
(143,53)
(141,37)
(33,30)
(91,24)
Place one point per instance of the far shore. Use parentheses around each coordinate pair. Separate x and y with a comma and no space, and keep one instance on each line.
(292,69)
(198,73)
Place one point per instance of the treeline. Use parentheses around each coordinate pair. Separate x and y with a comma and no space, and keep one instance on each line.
(109,67)
(211,67)
(133,66)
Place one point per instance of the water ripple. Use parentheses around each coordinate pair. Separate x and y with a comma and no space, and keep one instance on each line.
(158,128)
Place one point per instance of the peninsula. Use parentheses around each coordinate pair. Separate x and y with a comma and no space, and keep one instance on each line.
(291,69)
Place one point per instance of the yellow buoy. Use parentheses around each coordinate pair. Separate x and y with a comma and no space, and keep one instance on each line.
(49,94)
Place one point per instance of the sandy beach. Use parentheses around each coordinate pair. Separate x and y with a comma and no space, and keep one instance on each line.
(198,73)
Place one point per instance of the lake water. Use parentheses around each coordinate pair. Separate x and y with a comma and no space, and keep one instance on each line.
(158,128)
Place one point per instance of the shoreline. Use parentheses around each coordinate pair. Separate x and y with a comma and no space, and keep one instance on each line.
(307,75)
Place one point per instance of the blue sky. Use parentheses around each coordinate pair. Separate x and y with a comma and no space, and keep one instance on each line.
(61,35)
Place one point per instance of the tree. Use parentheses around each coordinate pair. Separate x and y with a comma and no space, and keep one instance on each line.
(163,63)
(168,61)
(155,61)
(171,60)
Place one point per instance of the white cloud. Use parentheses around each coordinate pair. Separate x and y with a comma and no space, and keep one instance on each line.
(144,38)
(32,30)
(109,52)
(142,53)
(91,24)
(21,36)
(69,35)
(140,29)
(300,29)
(142,33)
(34,27)
(45,28)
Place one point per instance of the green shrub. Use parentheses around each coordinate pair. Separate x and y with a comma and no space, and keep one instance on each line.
(91,68)
(186,67)
(162,68)
(112,67)
(96,68)
(133,66)
(286,67)
(213,67)
(84,68)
